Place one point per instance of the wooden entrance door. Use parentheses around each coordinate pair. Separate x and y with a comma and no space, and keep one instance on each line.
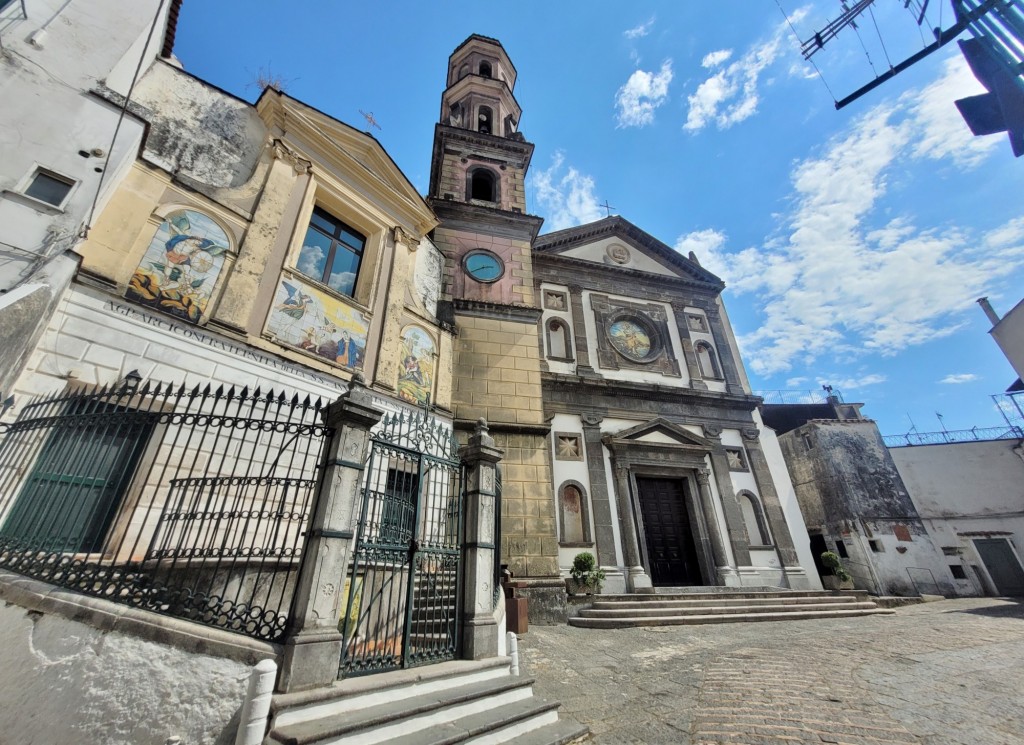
(671,552)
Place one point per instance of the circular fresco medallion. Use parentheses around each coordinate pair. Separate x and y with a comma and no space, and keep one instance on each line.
(631,340)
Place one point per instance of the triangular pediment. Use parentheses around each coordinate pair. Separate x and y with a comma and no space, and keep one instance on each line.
(616,243)
(662,432)
(341,148)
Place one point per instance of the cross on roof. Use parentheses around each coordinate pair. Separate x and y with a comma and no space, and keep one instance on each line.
(369,118)
(607,207)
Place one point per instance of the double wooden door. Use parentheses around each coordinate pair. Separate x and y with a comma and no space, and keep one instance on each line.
(671,549)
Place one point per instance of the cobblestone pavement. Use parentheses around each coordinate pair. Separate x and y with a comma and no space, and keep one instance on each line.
(949,672)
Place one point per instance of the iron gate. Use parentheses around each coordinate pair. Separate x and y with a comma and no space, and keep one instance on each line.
(405,577)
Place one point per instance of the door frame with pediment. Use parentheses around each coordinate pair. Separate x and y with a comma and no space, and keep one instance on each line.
(663,449)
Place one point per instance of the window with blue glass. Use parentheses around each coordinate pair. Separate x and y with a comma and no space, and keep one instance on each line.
(331,252)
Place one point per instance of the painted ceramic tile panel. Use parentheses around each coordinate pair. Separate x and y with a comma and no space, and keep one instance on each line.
(305,317)
(416,374)
(179,270)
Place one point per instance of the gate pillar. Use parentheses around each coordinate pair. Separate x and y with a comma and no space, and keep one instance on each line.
(480,460)
(313,645)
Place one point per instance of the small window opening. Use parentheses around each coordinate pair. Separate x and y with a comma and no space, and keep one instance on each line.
(49,187)
(485,69)
(876,546)
(841,550)
(958,571)
(482,185)
(558,340)
(484,120)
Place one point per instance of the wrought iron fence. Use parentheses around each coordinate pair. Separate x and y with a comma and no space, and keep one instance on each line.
(799,397)
(960,435)
(187,502)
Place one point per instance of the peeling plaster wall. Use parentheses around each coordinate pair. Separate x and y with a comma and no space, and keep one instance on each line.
(197,131)
(66,683)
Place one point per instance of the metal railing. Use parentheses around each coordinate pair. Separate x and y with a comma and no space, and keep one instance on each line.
(960,435)
(190,503)
(799,397)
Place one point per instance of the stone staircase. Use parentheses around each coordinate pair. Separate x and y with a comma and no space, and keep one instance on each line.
(684,608)
(478,702)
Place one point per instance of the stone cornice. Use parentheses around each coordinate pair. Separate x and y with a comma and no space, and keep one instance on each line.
(618,389)
(501,222)
(482,309)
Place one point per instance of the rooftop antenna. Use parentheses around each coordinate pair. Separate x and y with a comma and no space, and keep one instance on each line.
(607,208)
(368,116)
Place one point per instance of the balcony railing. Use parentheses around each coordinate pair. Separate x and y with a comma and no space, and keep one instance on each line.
(191,503)
(959,435)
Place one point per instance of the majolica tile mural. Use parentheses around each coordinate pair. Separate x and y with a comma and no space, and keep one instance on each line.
(416,373)
(179,270)
(303,316)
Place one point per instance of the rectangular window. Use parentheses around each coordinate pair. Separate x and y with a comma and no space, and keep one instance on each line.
(958,571)
(841,550)
(876,546)
(331,252)
(49,187)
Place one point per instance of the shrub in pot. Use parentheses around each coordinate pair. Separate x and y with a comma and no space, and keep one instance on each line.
(585,577)
(838,578)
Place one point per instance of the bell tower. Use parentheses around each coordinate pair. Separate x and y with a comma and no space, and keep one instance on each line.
(477,190)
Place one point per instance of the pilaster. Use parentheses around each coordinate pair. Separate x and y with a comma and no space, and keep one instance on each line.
(600,504)
(769,497)
(312,649)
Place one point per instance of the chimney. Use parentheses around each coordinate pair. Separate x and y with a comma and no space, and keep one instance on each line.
(987,307)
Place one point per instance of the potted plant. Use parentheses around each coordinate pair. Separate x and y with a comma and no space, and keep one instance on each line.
(838,578)
(585,577)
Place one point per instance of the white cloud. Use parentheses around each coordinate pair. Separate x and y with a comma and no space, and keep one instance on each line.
(731,94)
(641,95)
(714,59)
(639,31)
(958,378)
(942,132)
(840,283)
(796,382)
(848,384)
(566,197)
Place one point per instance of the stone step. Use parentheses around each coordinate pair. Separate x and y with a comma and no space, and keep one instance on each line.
(460,701)
(717,609)
(725,602)
(354,694)
(508,723)
(386,721)
(731,595)
(670,620)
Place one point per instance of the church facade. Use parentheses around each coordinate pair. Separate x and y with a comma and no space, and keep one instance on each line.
(605,364)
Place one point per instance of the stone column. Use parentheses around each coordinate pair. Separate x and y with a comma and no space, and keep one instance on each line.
(707,506)
(579,333)
(679,311)
(718,332)
(637,579)
(480,460)
(770,497)
(600,504)
(312,649)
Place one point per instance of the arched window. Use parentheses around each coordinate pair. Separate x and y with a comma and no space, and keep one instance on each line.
(559,340)
(753,517)
(707,360)
(483,185)
(485,69)
(463,71)
(574,514)
(485,120)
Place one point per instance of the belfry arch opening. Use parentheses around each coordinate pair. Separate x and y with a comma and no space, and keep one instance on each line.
(483,185)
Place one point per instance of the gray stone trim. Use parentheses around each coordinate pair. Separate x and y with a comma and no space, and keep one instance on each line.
(540,430)
(546,353)
(729,369)
(579,440)
(739,541)
(106,616)
(687,344)
(482,309)
(599,496)
(549,306)
(579,328)
(612,277)
(588,539)
(607,311)
(777,524)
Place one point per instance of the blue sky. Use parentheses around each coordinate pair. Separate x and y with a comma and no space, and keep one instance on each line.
(853,243)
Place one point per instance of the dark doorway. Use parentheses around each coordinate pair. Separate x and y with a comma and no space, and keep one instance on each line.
(818,547)
(671,552)
(1002,565)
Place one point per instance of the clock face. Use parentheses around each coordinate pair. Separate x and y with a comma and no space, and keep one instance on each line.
(631,340)
(483,266)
